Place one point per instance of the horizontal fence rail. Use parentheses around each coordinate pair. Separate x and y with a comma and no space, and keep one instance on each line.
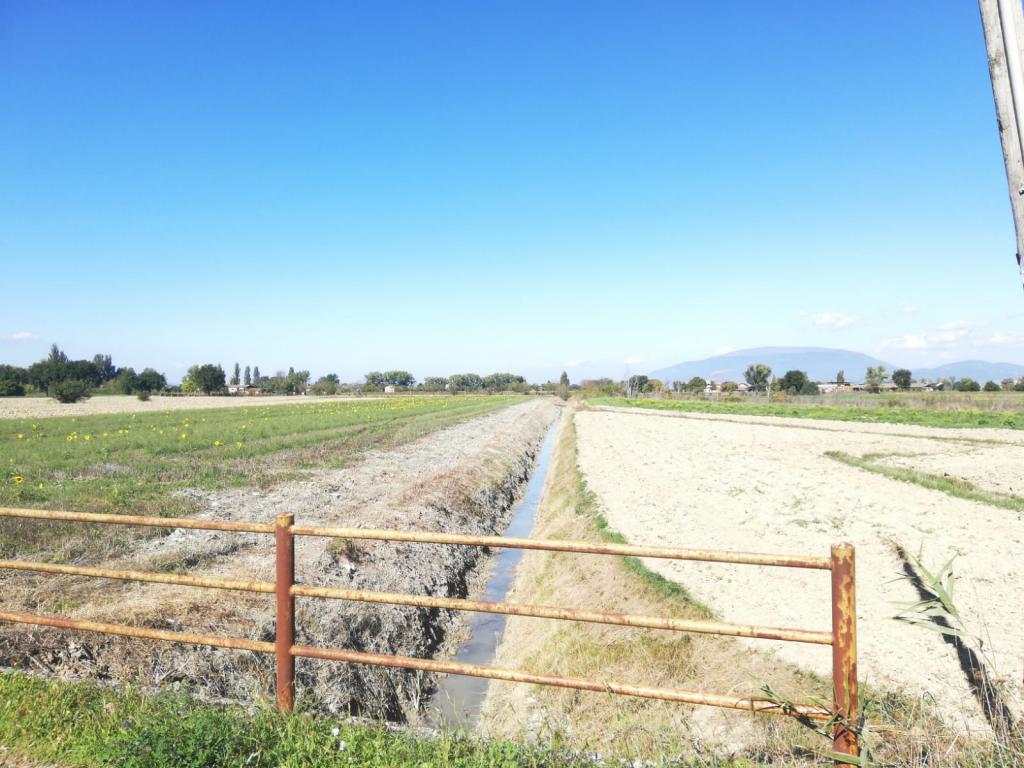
(842,714)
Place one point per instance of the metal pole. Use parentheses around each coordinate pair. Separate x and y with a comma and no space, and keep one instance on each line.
(284,635)
(1001,22)
(844,650)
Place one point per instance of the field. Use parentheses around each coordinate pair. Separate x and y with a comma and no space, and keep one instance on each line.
(439,464)
(38,406)
(940,409)
(910,496)
(144,461)
(782,486)
(907,496)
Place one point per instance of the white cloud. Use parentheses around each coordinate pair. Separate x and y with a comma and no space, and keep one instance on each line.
(1000,339)
(835,320)
(23,336)
(933,338)
(908,341)
(633,360)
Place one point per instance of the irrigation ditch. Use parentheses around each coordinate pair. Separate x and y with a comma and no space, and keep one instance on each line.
(465,479)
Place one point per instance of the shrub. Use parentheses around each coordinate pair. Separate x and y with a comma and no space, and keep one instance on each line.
(11,388)
(991,386)
(69,390)
(143,395)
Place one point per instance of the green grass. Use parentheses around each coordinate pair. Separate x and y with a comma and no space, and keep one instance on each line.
(925,417)
(83,724)
(139,462)
(953,486)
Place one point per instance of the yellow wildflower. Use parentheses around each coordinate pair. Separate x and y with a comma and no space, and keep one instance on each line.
(21,436)
(87,437)
(183,435)
(216,443)
(238,445)
(18,479)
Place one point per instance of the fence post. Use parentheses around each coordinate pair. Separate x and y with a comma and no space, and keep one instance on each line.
(844,649)
(284,630)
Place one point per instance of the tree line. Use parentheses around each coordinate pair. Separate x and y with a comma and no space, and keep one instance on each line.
(759,378)
(69,380)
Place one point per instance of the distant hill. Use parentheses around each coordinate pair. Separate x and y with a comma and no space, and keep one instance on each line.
(819,363)
(979,370)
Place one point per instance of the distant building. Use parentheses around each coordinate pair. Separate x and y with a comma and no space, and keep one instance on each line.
(389,389)
(831,387)
(248,390)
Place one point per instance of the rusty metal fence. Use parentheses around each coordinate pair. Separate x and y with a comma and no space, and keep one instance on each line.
(842,714)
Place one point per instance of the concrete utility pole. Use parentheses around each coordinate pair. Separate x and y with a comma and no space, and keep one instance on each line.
(1003,23)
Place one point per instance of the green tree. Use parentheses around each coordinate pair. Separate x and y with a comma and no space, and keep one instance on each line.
(256,378)
(901,377)
(757,376)
(247,378)
(967,384)
(127,381)
(636,384)
(296,382)
(875,377)
(793,382)
(727,387)
(56,355)
(236,376)
(326,385)
(209,378)
(12,381)
(465,382)
(399,378)
(105,365)
(841,377)
(696,385)
(151,380)
(1007,385)
(563,386)
(499,382)
(435,383)
(375,380)
(810,389)
(991,386)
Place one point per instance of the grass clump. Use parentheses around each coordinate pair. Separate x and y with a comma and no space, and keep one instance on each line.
(953,486)
(84,724)
(925,417)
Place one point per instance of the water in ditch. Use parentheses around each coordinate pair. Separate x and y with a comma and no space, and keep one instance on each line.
(458,699)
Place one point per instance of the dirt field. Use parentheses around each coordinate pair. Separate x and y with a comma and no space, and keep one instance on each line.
(762,484)
(42,407)
(464,478)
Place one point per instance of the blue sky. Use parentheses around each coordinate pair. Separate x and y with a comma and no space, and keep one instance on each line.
(488,186)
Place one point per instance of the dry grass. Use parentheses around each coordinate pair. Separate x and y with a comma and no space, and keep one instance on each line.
(618,725)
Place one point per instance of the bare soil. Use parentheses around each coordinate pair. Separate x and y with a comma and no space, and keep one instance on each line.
(464,478)
(763,484)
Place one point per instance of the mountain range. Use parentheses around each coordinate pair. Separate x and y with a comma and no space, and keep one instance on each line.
(822,364)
